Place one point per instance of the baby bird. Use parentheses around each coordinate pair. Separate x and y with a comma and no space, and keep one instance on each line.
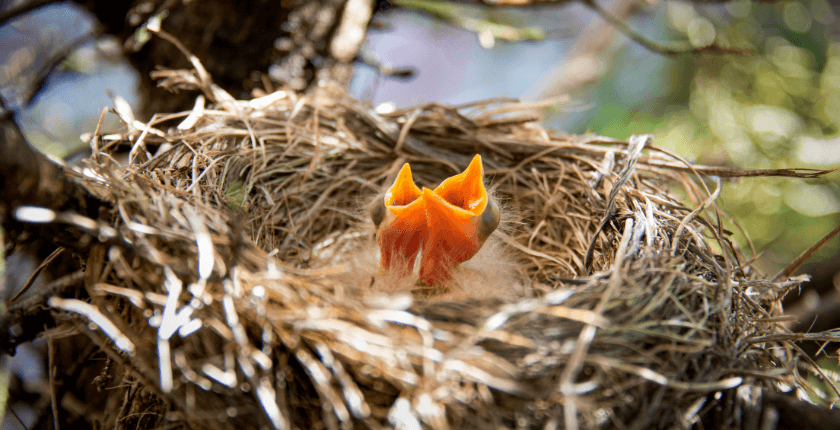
(400,219)
(449,223)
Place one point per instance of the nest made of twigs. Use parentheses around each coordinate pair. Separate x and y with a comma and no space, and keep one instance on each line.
(219,288)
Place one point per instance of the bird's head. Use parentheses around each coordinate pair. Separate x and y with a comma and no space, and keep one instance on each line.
(460,217)
(400,219)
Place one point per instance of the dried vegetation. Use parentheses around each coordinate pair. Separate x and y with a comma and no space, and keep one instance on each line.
(228,283)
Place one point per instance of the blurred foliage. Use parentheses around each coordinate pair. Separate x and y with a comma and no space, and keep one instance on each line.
(777,108)
(822,392)
(468,18)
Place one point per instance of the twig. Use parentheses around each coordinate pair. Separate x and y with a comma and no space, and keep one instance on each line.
(808,253)
(34,275)
(51,369)
(657,48)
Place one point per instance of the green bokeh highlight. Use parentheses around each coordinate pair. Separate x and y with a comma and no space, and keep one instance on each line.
(779,108)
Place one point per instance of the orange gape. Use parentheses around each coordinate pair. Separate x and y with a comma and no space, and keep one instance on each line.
(451,223)
(402,224)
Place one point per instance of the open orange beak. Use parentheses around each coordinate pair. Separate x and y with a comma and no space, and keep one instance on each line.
(451,223)
(459,219)
(400,217)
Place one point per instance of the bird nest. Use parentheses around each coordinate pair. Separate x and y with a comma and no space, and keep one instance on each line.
(231,285)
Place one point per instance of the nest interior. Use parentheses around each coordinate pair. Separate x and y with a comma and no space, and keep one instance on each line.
(231,283)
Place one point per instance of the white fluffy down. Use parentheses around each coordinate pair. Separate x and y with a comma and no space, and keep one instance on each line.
(491,273)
